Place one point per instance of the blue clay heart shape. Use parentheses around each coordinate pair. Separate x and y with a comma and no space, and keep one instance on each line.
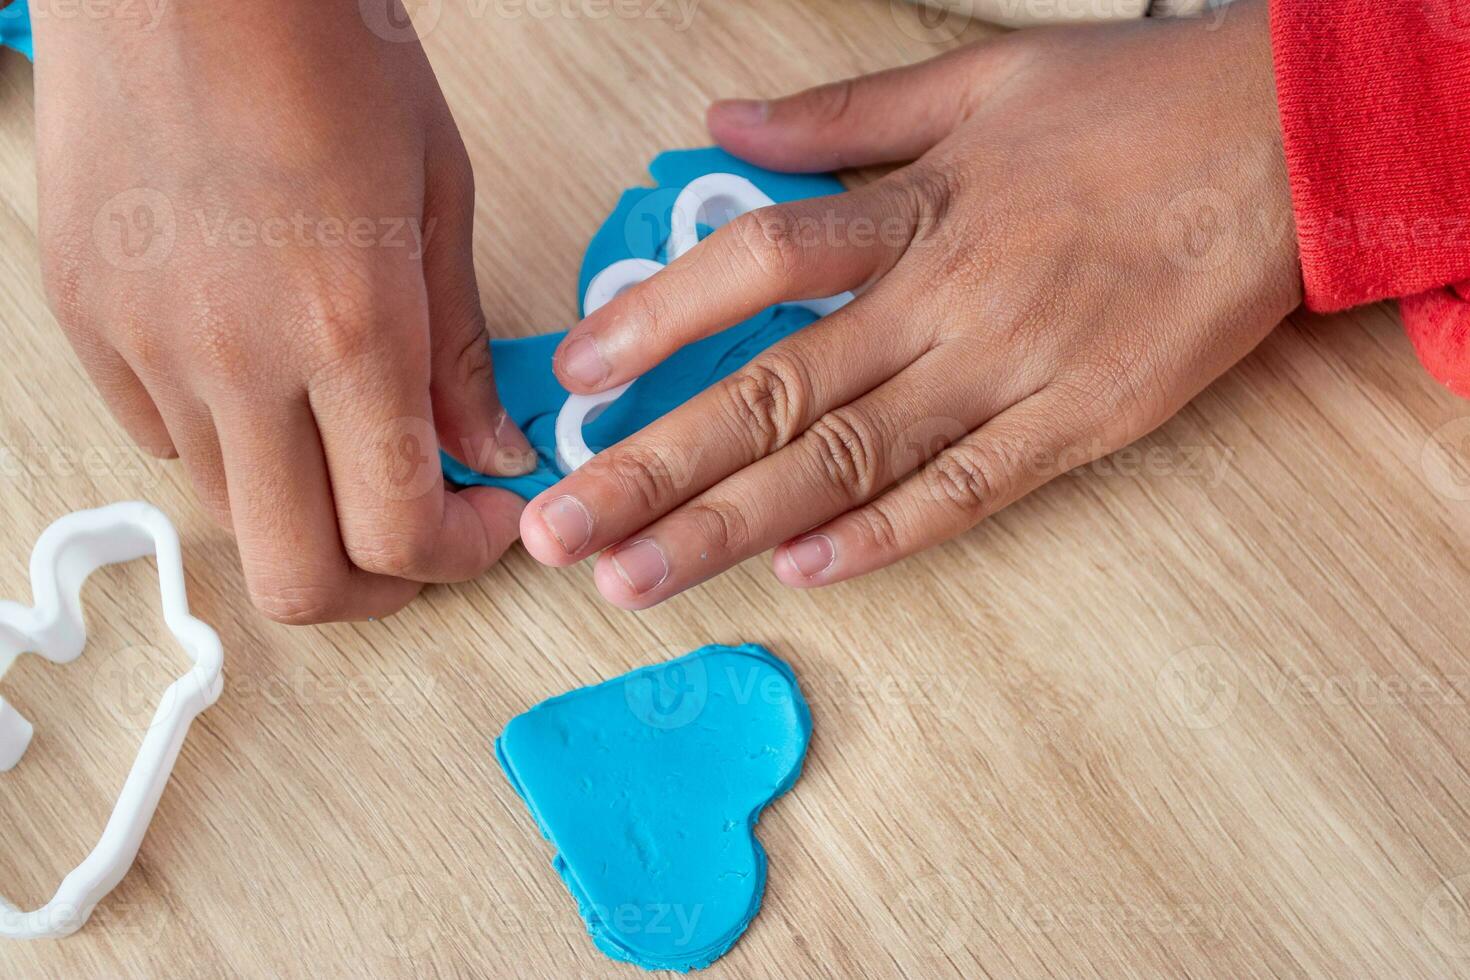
(649,786)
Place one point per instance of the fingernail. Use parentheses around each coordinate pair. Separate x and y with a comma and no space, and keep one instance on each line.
(812,555)
(642,565)
(744,112)
(513,455)
(510,461)
(569,521)
(582,362)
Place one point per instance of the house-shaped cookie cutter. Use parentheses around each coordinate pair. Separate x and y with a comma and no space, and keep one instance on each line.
(66,553)
(709,201)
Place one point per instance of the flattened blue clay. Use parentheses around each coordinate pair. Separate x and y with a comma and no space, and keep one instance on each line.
(637,228)
(649,786)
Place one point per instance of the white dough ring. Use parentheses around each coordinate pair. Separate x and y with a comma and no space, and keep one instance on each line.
(712,200)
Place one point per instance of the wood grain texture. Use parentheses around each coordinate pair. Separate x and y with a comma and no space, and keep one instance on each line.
(1197,710)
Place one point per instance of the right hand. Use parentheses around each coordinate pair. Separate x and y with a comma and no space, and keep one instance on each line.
(255,228)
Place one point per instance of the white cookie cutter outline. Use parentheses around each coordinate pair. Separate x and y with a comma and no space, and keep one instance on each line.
(66,553)
(712,200)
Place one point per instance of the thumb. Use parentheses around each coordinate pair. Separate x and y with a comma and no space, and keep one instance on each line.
(888,117)
(471,425)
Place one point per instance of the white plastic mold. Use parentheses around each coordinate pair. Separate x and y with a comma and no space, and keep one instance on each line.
(66,553)
(712,200)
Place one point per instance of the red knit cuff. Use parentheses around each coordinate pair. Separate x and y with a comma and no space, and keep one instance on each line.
(1375,109)
(1438,325)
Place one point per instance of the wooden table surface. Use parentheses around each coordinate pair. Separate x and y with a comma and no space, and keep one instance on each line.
(1199,709)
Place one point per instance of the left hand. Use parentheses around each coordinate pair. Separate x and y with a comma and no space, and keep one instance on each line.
(1097,225)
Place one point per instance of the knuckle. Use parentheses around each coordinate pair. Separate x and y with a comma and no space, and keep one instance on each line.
(343,337)
(969,478)
(877,530)
(721,525)
(766,401)
(399,554)
(848,449)
(929,192)
(963,268)
(771,238)
(472,360)
(299,605)
(656,314)
(1124,391)
(645,475)
(215,338)
(832,102)
(339,323)
(138,336)
(64,277)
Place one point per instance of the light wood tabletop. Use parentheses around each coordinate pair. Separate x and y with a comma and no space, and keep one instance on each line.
(1198,709)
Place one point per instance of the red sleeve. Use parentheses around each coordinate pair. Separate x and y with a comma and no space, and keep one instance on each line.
(1375,110)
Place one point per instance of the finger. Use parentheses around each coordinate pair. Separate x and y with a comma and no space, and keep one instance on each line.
(395,515)
(847,457)
(802,250)
(752,413)
(887,117)
(192,428)
(499,510)
(126,398)
(296,568)
(1007,458)
(472,425)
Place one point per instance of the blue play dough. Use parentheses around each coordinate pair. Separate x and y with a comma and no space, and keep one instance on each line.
(637,228)
(15,28)
(649,786)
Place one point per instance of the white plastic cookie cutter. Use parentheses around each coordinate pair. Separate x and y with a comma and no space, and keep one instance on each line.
(711,201)
(67,552)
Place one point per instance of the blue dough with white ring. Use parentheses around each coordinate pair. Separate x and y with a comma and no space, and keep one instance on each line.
(637,228)
(649,786)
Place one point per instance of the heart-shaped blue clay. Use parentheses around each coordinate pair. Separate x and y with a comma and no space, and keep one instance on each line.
(649,786)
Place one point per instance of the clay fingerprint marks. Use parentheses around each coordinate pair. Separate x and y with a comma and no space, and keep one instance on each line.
(649,787)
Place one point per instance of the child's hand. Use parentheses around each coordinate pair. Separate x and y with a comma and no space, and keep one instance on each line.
(255,224)
(1098,225)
